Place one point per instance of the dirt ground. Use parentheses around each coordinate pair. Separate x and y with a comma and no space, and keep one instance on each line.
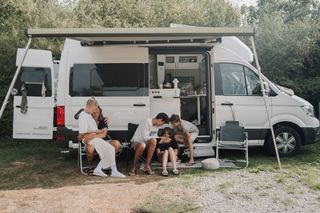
(211,191)
(105,197)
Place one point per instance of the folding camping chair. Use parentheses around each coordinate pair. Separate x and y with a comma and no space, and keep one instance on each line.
(232,136)
(82,154)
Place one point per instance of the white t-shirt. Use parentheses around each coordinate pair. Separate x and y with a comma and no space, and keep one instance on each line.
(86,123)
(145,131)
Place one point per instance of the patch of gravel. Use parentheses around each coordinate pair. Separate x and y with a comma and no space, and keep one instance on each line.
(241,191)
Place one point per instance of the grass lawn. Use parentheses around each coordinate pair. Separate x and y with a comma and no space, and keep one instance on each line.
(32,164)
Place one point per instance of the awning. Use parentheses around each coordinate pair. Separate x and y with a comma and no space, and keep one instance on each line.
(142,35)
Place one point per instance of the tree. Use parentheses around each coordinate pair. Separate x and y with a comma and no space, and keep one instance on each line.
(15,16)
(155,13)
(287,43)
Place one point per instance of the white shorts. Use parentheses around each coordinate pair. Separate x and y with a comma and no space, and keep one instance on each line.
(134,144)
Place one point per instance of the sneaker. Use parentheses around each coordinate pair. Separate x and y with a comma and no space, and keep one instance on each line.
(99,173)
(118,174)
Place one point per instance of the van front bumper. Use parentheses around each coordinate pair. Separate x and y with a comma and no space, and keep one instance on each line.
(311,135)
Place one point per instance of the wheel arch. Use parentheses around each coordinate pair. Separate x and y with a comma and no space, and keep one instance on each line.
(288,124)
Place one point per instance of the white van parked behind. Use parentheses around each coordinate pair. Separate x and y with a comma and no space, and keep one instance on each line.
(132,79)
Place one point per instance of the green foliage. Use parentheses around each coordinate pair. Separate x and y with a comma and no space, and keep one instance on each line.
(288,43)
(151,13)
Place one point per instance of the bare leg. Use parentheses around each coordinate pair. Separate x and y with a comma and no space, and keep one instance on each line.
(138,152)
(159,155)
(151,146)
(116,144)
(176,152)
(191,161)
(165,160)
(172,158)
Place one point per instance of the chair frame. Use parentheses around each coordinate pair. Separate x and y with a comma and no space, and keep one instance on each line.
(233,144)
(82,152)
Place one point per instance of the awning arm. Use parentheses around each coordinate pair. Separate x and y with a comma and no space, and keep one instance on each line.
(5,102)
(265,101)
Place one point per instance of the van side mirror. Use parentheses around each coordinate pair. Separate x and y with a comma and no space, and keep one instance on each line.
(266,88)
(258,91)
(14,91)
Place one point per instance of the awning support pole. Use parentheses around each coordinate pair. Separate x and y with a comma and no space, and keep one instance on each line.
(5,102)
(265,101)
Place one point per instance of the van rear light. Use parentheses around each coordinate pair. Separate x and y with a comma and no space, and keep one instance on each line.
(60,115)
(60,138)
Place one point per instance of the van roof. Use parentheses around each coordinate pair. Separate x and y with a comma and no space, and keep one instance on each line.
(142,35)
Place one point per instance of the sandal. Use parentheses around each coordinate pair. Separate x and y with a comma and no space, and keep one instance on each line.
(165,173)
(190,163)
(132,173)
(148,172)
(175,171)
(90,170)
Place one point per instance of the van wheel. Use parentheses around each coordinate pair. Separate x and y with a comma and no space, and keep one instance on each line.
(288,141)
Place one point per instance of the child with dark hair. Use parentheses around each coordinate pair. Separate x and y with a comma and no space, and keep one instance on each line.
(185,133)
(167,147)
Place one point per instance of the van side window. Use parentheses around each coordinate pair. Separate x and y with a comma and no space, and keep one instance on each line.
(129,79)
(232,79)
(236,80)
(253,82)
(37,80)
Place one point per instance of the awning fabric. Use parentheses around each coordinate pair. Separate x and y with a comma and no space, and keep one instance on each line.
(145,35)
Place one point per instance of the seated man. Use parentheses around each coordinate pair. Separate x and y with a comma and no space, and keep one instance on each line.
(145,137)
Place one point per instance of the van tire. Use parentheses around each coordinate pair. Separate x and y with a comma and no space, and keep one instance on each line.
(288,138)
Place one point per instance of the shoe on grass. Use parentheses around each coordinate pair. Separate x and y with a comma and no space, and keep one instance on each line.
(99,173)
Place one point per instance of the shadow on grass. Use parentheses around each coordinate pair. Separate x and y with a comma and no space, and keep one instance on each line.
(34,164)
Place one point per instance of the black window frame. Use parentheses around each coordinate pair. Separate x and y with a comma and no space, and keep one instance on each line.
(47,81)
(143,82)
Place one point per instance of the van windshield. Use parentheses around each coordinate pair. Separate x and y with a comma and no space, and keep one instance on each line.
(130,79)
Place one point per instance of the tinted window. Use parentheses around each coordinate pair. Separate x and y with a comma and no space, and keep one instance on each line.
(36,81)
(233,81)
(253,82)
(109,80)
(236,79)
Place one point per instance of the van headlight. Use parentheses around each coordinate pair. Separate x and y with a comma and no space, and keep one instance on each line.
(309,110)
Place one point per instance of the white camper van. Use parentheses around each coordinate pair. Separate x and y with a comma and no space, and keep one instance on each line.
(133,79)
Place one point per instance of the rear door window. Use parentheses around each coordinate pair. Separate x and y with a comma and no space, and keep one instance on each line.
(37,81)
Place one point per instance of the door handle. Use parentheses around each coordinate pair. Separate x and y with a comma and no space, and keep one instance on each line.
(139,105)
(18,106)
(227,104)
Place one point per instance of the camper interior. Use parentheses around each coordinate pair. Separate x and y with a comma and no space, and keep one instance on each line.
(192,100)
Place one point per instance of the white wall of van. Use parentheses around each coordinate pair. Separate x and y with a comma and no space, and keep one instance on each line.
(235,88)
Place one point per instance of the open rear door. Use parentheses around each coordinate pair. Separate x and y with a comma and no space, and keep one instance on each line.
(33,102)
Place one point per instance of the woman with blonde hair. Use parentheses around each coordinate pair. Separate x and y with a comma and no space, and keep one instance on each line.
(92,137)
